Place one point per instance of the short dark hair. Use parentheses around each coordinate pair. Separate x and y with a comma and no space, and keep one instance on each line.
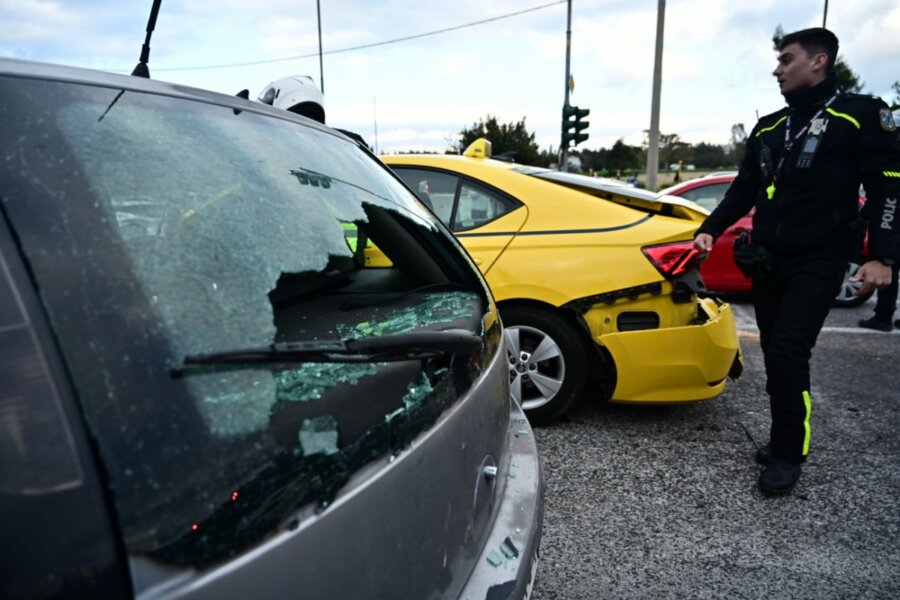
(814,40)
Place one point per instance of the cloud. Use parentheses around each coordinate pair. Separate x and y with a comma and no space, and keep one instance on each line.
(396,135)
(716,69)
(437,134)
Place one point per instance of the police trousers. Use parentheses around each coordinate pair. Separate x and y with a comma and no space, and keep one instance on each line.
(886,303)
(791,306)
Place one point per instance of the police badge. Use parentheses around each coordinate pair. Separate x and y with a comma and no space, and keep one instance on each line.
(886,119)
(817,127)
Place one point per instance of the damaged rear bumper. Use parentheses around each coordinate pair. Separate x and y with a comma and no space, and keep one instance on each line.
(677,364)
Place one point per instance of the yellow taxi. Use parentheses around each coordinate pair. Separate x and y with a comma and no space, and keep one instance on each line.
(596,281)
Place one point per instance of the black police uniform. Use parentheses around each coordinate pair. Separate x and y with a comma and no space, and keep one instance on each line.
(802,172)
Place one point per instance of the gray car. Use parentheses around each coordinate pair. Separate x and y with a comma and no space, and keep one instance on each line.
(206,392)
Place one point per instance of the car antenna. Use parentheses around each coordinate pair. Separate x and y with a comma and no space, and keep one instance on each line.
(245,94)
(142,70)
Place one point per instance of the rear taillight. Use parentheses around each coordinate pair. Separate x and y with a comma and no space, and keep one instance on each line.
(675,259)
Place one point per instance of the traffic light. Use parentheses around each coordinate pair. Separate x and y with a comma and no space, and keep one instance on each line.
(572,128)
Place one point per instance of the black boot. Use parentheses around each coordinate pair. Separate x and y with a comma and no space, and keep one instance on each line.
(779,477)
(764,456)
(876,324)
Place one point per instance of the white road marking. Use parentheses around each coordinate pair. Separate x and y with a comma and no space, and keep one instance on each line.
(745,321)
(858,330)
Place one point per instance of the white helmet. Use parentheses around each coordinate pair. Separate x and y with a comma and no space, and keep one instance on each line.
(298,94)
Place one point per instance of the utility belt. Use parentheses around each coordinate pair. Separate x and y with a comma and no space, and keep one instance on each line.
(753,260)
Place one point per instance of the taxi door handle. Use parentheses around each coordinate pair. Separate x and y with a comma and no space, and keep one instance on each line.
(477,260)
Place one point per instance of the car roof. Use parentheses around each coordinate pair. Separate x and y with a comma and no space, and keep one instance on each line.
(596,183)
(50,72)
(446,160)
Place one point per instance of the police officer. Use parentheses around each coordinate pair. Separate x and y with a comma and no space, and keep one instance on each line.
(802,171)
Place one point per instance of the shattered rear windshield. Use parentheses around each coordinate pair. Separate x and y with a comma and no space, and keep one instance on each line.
(159,227)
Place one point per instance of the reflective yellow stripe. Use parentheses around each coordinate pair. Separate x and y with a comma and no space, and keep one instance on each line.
(892,174)
(830,110)
(806,433)
(776,124)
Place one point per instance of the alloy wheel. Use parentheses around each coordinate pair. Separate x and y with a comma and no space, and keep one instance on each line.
(536,366)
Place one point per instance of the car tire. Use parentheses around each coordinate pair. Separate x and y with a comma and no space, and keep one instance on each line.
(547,357)
(847,297)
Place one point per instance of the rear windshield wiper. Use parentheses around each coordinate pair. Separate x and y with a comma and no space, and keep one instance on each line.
(387,348)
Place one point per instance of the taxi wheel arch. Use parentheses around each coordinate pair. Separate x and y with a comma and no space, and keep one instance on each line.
(548,359)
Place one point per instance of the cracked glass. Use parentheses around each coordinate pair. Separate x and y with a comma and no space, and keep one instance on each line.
(159,227)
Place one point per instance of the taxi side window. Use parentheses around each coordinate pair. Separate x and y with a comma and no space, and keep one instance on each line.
(437,190)
(479,205)
(460,203)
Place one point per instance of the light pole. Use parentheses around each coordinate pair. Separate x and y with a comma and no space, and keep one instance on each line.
(825,14)
(564,144)
(321,68)
(653,142)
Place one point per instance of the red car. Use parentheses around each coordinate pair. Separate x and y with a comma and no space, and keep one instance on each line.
(719,271)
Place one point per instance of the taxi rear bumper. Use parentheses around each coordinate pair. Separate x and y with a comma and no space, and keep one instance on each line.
(676,364)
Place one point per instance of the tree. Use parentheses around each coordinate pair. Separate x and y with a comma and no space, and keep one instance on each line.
(776,37)
(622,157)
(738,143)
(547,157)
(671,147)
(710,156)
(847,80)
(504,137)
(895,102)
(594,160)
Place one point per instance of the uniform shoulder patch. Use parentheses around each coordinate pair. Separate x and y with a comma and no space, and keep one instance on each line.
(867,100)
(774,116)
(852,96)
(886,119)
(769,122)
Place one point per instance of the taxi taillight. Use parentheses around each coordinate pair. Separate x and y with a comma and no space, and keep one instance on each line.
(674,259)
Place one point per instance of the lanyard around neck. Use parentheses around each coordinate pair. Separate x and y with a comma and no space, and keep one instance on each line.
(789,142)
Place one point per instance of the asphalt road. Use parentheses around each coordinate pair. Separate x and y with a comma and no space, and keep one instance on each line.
(661,502)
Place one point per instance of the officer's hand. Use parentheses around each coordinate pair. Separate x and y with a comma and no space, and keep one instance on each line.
(703,242)
(873,274)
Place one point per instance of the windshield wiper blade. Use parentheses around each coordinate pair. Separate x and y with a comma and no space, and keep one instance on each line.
(387,348)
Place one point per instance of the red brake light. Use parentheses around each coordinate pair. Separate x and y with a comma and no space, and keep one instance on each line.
(675,259)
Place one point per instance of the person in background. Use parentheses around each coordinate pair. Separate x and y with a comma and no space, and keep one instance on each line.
(802,171)
(885,306)
(297,94)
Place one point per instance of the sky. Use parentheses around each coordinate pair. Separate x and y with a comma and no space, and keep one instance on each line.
(420,93)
